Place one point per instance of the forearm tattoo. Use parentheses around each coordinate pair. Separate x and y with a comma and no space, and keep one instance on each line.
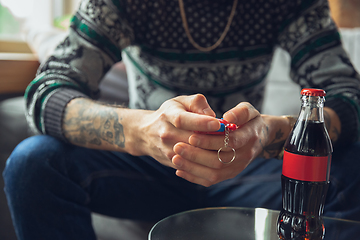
(274,147)
(84,125)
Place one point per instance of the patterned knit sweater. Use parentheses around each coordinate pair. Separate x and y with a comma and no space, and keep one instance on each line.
(149,37)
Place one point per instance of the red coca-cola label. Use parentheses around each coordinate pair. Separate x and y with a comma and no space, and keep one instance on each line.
(305,168)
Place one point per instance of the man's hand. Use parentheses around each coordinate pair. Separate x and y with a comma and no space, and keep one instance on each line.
(174,122)
(139,132)
(258,135)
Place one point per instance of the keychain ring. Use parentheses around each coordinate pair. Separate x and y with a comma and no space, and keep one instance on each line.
(233,158)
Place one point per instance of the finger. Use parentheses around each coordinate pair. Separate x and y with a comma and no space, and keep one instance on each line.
(241,114)
(237,139)
(199,174)
(245,135)
(194,121)
(197,155)
(197,171)
(173,135)
(205,141)
(165,139)
(196,103)
(198,116)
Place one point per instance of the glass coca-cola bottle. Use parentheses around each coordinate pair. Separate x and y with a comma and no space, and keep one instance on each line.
(305,172)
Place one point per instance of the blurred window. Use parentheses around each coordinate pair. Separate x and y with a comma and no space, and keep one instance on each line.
(41,13)
(9,25)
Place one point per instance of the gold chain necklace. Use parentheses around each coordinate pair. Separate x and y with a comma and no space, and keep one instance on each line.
(218,42)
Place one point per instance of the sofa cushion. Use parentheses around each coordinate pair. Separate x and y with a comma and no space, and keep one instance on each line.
(13,126)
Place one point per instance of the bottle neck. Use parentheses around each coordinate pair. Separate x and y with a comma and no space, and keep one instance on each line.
(312,109)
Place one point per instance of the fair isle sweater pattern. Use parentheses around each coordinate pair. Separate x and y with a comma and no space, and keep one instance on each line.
(161,62)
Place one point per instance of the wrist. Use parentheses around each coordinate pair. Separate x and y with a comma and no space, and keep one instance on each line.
(278,129)
(135,123)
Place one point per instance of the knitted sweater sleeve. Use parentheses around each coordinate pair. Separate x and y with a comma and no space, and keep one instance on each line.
(98,32)
(318,60)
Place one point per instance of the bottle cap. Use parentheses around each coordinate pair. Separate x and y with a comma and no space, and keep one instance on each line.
(313,92)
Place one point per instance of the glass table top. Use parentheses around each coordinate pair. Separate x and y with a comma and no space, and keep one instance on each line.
(238,223)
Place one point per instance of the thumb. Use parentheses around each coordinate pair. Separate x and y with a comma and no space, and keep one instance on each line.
(241,114)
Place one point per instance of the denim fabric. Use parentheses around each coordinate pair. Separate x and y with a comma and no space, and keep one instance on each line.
(52,188)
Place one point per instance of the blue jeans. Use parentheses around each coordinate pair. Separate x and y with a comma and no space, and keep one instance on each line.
(52,187)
